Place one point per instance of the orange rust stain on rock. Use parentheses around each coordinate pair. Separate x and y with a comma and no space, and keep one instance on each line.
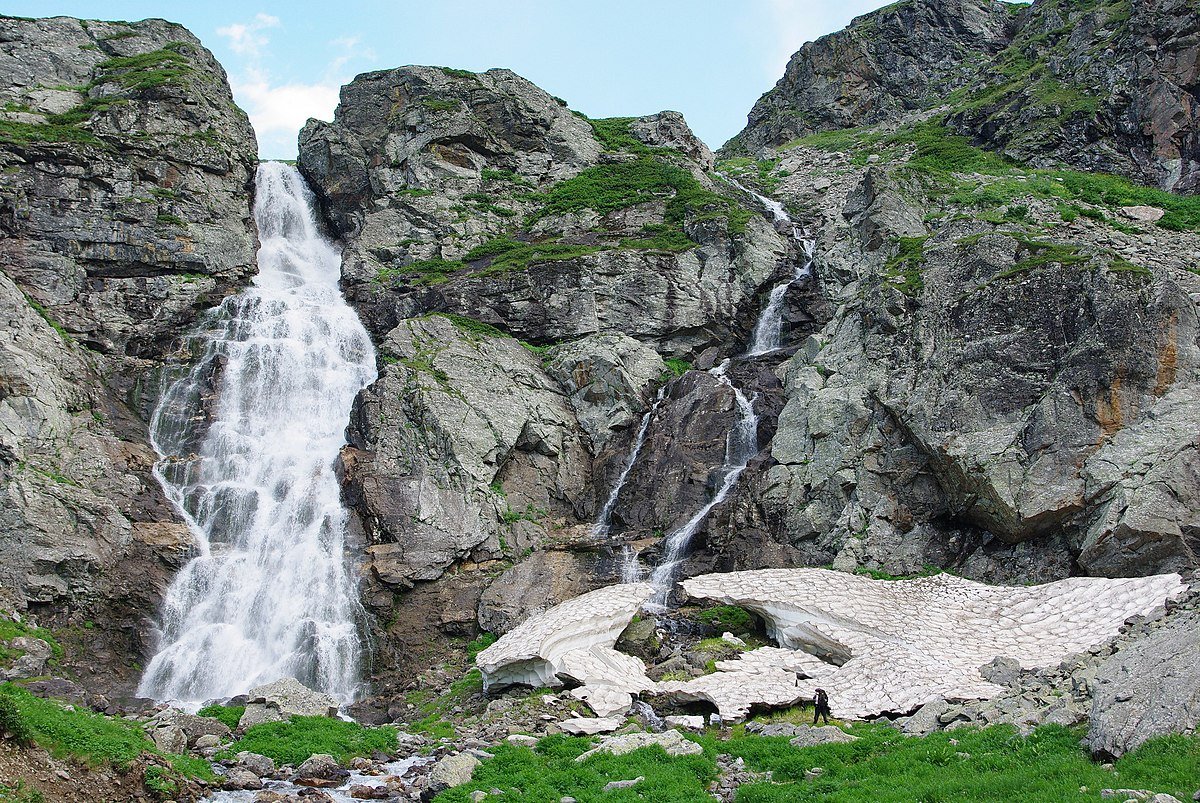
(1108,410)
(1167,357)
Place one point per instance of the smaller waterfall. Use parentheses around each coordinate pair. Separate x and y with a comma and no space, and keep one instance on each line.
(768,332)
(604,520)
(741,445)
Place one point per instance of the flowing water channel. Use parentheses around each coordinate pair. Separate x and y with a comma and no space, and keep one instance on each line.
(269,593)
(741,444)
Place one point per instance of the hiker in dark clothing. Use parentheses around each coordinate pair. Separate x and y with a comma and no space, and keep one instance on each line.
(821,706)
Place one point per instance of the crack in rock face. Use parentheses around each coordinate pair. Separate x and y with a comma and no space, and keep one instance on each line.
(876,646)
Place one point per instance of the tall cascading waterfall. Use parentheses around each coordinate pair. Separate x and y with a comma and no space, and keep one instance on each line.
(270,593)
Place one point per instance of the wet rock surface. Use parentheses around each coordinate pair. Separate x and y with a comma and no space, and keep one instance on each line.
(125,212)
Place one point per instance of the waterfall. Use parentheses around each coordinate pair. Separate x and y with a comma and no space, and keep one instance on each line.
(604,520)
(768,332)
(269,593)
(741,445)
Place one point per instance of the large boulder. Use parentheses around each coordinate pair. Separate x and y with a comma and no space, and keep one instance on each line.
(282,699)
(1151,688)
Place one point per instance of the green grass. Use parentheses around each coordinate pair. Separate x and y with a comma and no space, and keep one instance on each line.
(490,174)
(89,737)
(17,793)
(905,267)
(423,271)
(992,764)
(613,134)
(481,643)
(677,367)
(230,715)
(507,254)
(292,742)
(550,772)
(729,618)
(608,187)
(660,237)
(939,154)
(146,70)
(440,104)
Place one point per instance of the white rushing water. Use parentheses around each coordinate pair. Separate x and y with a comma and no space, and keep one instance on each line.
(741,445)
(768,332)
(604,520)
(269,593)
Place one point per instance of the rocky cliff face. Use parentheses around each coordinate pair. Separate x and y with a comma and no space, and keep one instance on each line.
(1108,86)
(980,402)
(904,57)
(125,213)
(477,211)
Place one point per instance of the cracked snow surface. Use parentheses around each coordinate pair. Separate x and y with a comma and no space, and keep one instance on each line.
(875,645)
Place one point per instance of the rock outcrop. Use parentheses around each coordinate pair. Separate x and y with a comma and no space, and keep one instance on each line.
(125,212)
(906,56)
(1106,87)
(1005,402)
(482,195)
(525,272)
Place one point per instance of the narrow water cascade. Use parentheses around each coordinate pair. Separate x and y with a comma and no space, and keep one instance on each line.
(604,519)
(270,593)
(741,445)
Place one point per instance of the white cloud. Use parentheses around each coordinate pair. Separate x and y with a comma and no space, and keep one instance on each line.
(279,110)
(246,38)
(284,108)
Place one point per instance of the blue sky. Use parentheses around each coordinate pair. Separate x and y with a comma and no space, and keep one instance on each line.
(709,59)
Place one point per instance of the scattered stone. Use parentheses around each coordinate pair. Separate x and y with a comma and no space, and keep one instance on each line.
(364,792)
(320,770)
(207,740)
(239,778)
(693,723)
(453,770)
(478,796)
(731,639)
(811,735)
(814,773)
(671,741)
(1144,214)
(1126,794)
(926,718)
(258,764)
(611,785)
(32,663)
(169,739)
(1002,671)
